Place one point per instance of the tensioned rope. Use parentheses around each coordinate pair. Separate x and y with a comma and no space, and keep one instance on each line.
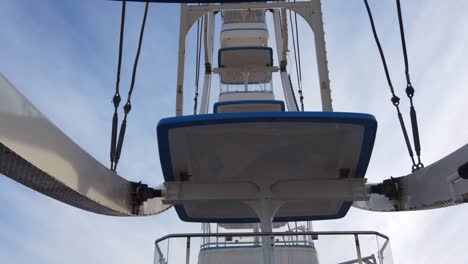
(117,98)
(128,106)
(395,99)
(299,59)
(294,33)
(409,90)
(200,29)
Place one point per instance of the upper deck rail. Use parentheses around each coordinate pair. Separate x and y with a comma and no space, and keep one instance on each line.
(365,246)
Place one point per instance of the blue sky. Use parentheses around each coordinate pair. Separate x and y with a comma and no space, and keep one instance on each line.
(62,56)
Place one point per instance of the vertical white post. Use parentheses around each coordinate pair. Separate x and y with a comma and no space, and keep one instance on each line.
(187,252)
(266,209)
(181,60)
(316,21)
(265,212)
(246,80)
(256,229)
(358,248)
(209,44)
(281,36)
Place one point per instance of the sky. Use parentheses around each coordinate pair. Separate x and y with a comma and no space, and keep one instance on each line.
(62,55)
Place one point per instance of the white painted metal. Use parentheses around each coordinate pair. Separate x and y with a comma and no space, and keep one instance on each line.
(437,185)
(358,249)
(209,45)
(250,69)
(243,96)
(281,190)
(237,66)
(266,208)
(253,255)
(34,152)
(183,30)
(246,25)
(249,107)
(281,36)
(244,15)
(242,153)
(316,21)
(310,10)
(252,226)
(244,34)
(291,103)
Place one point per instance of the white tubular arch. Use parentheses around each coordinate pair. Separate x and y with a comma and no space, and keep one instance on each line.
(35,153)
(435,186)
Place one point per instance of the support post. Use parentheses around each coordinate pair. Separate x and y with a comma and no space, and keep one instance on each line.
(321,56)
(187,252)
(266,218)
(181,60)
(313,16)
(358,248)
(209,44)
(281,36)
(266,209)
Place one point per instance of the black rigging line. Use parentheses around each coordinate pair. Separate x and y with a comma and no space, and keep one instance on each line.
(117,98)
(299,57)
(200,26)
(128,106)
(395,99)
(301,96)
(410,91)
(197,68)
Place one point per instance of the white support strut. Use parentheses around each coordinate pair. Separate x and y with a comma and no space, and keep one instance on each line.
(181,60)
(35,153)
(287,190)
(435,186)
(209,44)
(281,35)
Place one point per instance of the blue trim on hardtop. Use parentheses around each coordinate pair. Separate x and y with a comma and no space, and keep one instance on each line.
(242,22)
(192,1)
(218,104)
(235,29)
(367,121)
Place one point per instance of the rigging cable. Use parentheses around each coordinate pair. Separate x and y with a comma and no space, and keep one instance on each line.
(298,75)
(128,106)
(117,98)
(395,99)
(299,57)
(200,25)
(410,91)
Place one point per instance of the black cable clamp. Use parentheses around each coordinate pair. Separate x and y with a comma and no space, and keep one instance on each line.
(463,171)
(208,69)
(144,193)
(388,187)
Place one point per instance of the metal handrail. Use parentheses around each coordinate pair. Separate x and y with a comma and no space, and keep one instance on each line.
(262,234)
(231,244)
(162,260)
(315,235)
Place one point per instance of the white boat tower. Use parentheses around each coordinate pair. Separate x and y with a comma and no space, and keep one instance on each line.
(253,167)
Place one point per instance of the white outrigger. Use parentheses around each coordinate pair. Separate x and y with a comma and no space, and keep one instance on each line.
(254,170)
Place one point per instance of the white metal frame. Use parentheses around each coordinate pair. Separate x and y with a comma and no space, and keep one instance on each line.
(435,186)
(266,199)
(310,10)
(281,34)
(209,45)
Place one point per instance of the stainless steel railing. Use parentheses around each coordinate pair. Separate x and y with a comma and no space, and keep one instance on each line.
(380,256)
